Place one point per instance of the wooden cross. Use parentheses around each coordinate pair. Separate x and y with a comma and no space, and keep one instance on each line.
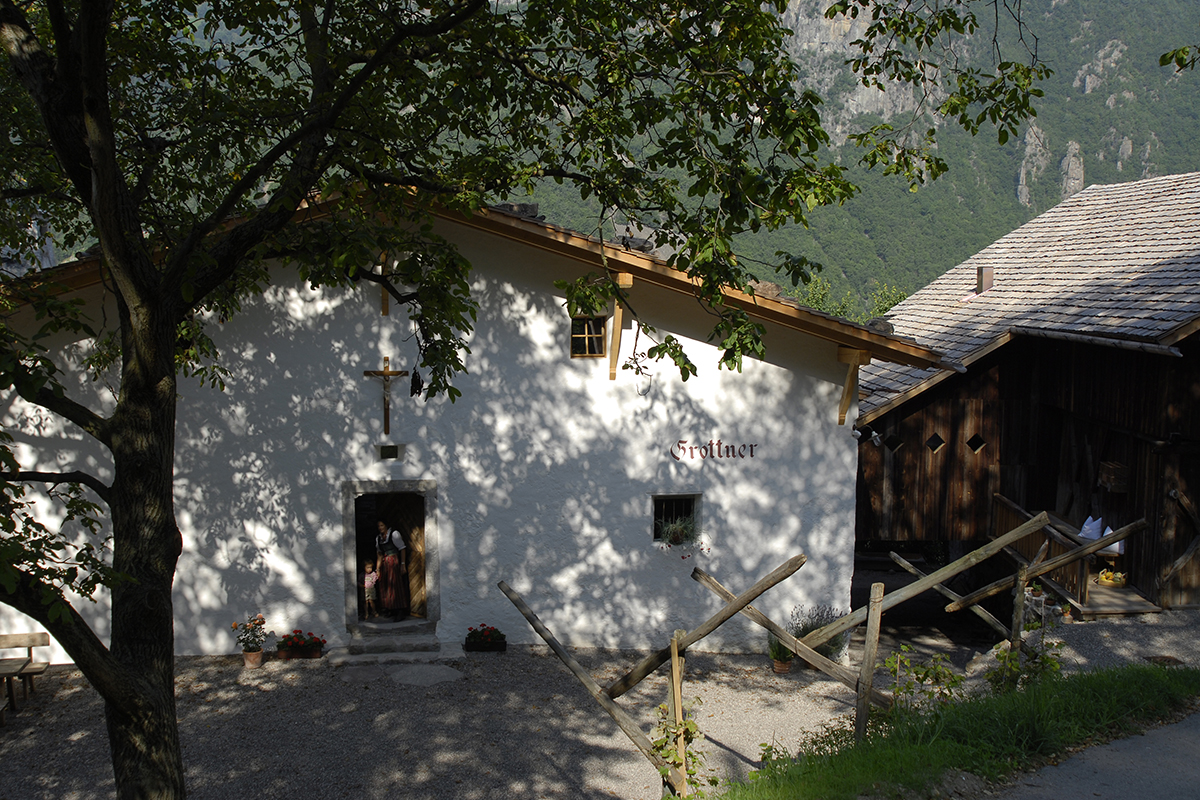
(387,373)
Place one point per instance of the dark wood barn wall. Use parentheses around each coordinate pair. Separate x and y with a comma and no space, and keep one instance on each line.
(1046,423)
(938,465)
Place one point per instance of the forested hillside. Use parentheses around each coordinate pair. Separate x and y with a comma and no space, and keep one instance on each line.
(1110,114)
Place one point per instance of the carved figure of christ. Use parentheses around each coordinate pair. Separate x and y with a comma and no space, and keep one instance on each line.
(387,373)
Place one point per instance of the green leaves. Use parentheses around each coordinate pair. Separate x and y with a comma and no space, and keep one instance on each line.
(921,46)
(1182,57)
(670,348)
(687,118)
(59,561)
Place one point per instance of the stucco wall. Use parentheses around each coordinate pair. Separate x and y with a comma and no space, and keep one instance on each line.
(543,470)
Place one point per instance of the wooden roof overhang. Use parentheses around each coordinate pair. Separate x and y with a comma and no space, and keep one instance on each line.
(652,270)
(1163,347)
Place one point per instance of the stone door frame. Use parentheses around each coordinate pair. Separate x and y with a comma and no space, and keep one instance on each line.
(428,491)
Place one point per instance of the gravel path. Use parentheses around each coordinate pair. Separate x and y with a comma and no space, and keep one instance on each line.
(509,725)
(515,724)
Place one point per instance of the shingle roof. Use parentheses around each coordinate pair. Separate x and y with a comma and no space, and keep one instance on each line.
(1119,263)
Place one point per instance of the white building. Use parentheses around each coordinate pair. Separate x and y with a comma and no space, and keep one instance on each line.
(548,473)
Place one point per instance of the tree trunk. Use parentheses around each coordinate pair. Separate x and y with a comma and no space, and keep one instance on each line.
(143,736)
(146,759)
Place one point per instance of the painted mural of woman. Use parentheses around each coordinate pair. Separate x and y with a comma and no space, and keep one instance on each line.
(393,571)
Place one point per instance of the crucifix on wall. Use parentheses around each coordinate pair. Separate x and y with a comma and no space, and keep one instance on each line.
(387,373)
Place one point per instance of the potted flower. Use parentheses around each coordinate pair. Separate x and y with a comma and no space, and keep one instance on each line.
(781,656)
(1035,590)
(250,635)
(485,639)
(298,644)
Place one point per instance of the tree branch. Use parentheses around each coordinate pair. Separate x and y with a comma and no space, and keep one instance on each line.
(37,191)
(92,423)
(382,280)
(113,210)
(56,478)
(522,64)
(415,181)
(305,143)
(51,87)
(69,629)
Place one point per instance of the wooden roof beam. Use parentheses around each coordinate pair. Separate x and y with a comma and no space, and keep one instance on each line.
(624,281)
(855,358)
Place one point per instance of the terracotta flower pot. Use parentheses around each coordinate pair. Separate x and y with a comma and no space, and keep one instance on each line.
(252,659)
(781,667)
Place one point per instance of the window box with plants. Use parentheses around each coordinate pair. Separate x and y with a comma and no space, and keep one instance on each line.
(485,639)
(299,645)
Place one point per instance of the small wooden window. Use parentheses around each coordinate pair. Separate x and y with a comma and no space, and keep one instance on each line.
(587,337)
(676,520)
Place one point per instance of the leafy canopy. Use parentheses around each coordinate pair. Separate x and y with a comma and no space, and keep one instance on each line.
(192,144)
(683,116)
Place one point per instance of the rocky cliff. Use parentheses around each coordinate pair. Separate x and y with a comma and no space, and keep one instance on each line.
(1100,102)
(1110,114)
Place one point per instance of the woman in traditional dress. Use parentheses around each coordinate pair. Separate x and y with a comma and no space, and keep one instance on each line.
(393,571)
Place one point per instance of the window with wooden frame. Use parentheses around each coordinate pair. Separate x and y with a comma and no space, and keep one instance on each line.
(676,518)
(588,336)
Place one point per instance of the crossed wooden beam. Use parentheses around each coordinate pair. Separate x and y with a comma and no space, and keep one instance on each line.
(859,681)
(606,696)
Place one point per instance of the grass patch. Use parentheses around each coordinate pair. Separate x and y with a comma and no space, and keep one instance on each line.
(990,735)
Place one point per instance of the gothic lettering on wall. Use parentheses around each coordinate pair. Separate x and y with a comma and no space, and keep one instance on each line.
(711,449)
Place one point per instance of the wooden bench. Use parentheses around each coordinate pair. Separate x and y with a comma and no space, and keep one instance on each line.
(24,668)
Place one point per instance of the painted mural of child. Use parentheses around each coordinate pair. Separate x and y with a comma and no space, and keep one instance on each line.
(370,593)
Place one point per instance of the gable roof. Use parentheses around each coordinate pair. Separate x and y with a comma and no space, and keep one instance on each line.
(1113,265)
(641,266)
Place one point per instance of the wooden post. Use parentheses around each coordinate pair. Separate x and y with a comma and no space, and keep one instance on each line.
(836,671)
(623,280)
(623,720)
(1050,584)
(866,676)
(855,358)
(1041,553)
(856,618)
(676,691)
(656,660)
(1018,622)
(1013,670)
(1082,578)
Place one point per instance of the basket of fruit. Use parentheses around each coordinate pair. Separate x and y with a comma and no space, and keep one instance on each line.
(1109,578)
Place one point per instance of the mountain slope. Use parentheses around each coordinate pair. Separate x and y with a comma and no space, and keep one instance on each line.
(1110,114)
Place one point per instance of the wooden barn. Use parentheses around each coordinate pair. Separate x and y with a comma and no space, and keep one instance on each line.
(1080,394)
